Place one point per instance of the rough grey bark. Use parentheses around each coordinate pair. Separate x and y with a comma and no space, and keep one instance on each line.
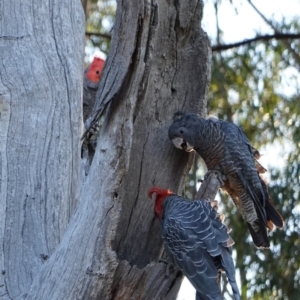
(159,63)
(210,186)
(41,54)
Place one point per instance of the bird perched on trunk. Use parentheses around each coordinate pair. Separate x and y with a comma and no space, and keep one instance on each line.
(196,241)
(92,75)
(225,148)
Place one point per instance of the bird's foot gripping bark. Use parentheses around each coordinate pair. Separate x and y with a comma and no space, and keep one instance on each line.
(90,138)
(213,180)
(221,217)
(88,148)
(170,264)
(215,205)
(210,185)
(217,174)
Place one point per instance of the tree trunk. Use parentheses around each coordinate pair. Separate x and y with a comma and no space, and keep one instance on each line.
(159,63)
(84,5)
(41,54)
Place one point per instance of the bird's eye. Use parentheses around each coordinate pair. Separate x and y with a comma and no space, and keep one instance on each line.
(181,131)
(97,72)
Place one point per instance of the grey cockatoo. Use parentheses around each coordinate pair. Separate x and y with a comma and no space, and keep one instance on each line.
(91,79)
(225,148)
(196,241)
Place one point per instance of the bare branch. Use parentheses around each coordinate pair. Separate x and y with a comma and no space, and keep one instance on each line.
(103,35)
(220,47)
(277,31)
(217,22)
(210,186)
(277,36)
(263,17)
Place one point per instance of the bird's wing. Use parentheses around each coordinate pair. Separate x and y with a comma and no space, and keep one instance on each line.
(194,238)
(240,161)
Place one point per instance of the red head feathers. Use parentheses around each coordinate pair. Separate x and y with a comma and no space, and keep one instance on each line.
(94,70)
(161,194)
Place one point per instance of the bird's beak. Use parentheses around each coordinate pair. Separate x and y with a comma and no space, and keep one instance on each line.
(180,143)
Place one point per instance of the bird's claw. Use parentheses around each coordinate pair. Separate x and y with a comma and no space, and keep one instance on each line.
(214,204)
(90,140)
(221,217)
(221,177)
(170,264)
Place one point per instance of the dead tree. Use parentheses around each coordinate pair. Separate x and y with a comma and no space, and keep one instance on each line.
(107,247)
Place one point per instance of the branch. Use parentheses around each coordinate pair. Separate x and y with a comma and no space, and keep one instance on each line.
(277,36)
(287,45)
(103,35)
(208,189)
(263,17)
(210,186)
(220,47)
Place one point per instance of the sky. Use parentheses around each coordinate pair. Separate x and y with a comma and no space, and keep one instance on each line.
(239,21)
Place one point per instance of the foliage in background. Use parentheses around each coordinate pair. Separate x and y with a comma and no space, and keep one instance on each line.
(100,20)
(256,87)
(248,88)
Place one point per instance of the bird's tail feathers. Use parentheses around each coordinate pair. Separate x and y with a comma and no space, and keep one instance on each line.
(235,291)
(228,267)
(260,169)
(259,236)
(200,296)
(273,215)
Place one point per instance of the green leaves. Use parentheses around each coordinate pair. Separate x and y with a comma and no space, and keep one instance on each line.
(246,88)
(100,20)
